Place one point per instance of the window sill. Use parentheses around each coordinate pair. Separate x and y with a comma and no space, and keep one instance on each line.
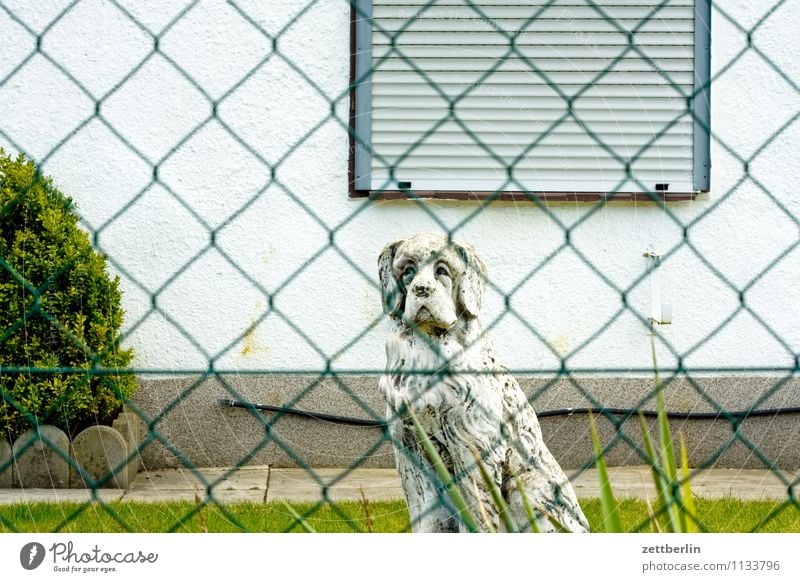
(511,196)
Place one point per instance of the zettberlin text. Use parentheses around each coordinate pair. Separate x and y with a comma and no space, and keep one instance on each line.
(668,549)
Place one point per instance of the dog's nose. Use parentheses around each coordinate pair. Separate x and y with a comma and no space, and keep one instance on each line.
(422,290)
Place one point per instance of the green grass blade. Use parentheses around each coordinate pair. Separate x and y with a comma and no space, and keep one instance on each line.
(497,496)
(611,520)
(689,509)
(300,519)
(655,527)
(527,505)
(662,489)
(667,451)
(481,507)
(444,476)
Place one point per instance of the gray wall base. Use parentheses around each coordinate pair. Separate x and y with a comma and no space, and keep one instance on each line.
(199,431)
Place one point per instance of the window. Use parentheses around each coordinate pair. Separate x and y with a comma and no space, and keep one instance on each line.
(565,99)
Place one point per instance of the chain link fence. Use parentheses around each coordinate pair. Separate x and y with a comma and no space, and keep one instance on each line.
(64,80)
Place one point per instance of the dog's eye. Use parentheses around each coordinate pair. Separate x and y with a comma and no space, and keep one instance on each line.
(409,272)
(442,271)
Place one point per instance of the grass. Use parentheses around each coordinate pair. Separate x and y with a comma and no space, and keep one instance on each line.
(717,515)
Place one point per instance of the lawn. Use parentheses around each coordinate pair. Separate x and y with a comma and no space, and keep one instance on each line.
(718,515)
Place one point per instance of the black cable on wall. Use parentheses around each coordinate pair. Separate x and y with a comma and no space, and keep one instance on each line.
(738,414)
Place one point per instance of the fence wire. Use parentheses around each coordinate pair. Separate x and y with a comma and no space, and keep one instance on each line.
(272,164)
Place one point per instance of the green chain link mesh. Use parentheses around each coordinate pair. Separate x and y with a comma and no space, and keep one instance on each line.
(273,168)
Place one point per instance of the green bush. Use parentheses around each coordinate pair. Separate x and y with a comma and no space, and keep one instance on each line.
(59,309)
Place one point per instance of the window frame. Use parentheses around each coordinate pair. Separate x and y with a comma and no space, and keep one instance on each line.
(360,124)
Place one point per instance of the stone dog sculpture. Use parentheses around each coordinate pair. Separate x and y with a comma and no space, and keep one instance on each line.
(438,356)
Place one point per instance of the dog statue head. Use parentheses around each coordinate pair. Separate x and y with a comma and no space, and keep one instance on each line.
(431,282)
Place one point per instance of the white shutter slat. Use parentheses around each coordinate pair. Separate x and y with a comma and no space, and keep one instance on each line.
(444,10)
(609,97)
(637,102)
(412,37)
(472,106)
(541,51)
(453,90)
(538,155)
(482,64)
(392,130)
(538,116)
(630,79)
(544,164)
(525,26)
(673,138)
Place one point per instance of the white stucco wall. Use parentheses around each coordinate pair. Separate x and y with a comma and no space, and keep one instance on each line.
(276,235)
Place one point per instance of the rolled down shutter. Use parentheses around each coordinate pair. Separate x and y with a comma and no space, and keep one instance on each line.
(570,96)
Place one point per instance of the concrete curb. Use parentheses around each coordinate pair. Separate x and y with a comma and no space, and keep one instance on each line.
(259,484)
(5,457)
(38,458)
(99,450)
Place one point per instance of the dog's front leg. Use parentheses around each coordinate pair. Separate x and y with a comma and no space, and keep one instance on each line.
(427,511)
(427,500)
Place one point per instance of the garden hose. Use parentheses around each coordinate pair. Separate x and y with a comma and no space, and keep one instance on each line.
(739,415)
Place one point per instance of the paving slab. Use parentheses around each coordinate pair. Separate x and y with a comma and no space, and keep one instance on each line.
(33,495)
(245,484)
(752,484)
(298,485)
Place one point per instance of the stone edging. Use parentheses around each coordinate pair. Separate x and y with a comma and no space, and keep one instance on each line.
(97,450)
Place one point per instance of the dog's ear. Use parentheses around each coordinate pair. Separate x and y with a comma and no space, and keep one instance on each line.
(391,290)
(472,282)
